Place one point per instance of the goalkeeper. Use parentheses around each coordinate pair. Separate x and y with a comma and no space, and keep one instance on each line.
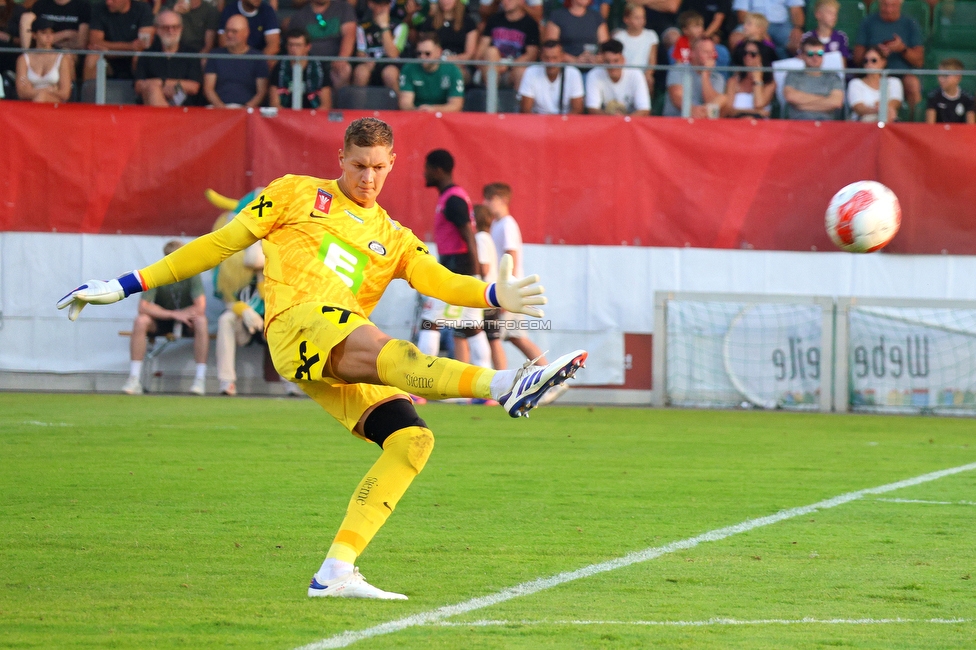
(330,253)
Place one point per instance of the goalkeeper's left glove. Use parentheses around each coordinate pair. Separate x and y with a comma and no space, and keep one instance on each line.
(101,292)
(514,295)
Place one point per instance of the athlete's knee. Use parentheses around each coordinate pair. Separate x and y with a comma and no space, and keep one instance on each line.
(399,417)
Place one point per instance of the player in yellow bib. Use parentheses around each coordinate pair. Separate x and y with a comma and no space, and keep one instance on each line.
(330,252)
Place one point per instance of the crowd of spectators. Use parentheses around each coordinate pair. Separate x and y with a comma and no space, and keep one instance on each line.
(590,38)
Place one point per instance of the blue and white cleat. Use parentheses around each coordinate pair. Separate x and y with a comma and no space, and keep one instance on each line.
(351,585)
(532,382)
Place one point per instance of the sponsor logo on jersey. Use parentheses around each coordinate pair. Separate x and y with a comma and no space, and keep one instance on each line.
(347,262)
(377,247)
(323,201)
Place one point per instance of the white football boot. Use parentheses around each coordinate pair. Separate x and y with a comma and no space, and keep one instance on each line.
(350,585)
(532,382)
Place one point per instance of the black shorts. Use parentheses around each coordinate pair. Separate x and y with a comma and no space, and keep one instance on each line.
(164,327)
(491,318)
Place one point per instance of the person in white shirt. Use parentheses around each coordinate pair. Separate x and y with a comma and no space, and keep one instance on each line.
(542,86)
(863,95)
(616,91)
(486,346)
(640,45)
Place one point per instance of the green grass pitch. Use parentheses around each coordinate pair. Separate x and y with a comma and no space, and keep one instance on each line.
(198,522)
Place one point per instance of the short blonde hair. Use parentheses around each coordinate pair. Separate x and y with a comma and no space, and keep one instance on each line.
(369,132)
(825,3)
(760,20)
(171,246)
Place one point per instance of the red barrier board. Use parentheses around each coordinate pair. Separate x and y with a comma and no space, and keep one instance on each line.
(576,179)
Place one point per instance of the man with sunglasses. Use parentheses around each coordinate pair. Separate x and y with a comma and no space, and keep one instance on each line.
(432,85)
(810,93)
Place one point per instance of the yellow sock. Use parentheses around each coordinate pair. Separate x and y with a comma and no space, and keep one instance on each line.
(402,365)
(405,453)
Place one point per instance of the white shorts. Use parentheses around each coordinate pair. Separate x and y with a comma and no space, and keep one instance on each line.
(445,315)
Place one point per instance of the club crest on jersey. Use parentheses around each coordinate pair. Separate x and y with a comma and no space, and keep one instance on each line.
(377,247)
(323,201)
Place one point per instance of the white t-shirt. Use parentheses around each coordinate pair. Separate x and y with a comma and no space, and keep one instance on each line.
(508,237)
(487,255)
(637,49)
(859,92)
(630,91)
(536,84)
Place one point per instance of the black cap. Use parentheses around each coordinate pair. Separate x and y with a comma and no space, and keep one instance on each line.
(41,23)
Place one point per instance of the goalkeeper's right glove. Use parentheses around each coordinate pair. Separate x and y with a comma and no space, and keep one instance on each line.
(101,292)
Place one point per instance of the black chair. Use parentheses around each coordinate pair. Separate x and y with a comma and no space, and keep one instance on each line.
(117,91)
(366,98)
(476,100)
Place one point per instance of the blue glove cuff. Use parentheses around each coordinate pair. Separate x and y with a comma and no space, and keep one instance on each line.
(490,296)
(131,283)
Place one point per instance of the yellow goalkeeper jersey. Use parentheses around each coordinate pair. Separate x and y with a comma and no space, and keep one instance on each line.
(322,247)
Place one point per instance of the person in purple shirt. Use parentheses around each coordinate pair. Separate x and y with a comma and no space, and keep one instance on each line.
(833,40)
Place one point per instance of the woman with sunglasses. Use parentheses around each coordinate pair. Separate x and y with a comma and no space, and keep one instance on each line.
(864,94)
(750,93)
(44,75)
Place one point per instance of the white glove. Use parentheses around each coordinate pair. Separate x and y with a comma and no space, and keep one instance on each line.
(252,320)
(518,296)
(98,292)
(101,292)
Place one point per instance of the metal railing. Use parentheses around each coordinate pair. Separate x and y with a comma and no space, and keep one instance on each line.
(491,78)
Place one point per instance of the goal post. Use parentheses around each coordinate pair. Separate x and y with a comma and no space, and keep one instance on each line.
(727,350)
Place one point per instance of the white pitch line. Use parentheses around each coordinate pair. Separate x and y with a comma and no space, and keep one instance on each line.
(713,621)
(938,503)
(540,584)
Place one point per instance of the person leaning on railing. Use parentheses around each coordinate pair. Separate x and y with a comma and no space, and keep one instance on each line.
(864,94)
(750,93)
(238,82)
(43,75)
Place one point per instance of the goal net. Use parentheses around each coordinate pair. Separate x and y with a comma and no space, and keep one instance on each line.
(736,350)
(904,357)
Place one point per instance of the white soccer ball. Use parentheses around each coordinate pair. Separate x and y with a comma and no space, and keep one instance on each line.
(863,217)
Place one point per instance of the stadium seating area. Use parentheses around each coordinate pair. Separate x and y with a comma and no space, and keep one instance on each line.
(949,27)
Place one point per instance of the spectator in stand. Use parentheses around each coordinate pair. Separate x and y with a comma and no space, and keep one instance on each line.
(900,39)
(486,346)
(43,75)
(9,37)
(433,86)
(70,19)
(640,44)
(692,27)
(457,31)
(550,89)
(707,86)
(785,18)
(949,103)
(238,82)
(714,13)
(318,93)
(178,309)
(616,91)
(864,94)
(750,93)
(511,36)
(201,19)
(833,40)
(534,8)
(811,94)
(331,27)
(380,37)
(578,30)
(264,33)
(118,26)
(660,16)
(167,81)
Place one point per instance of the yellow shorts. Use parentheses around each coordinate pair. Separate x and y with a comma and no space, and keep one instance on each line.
(300,340)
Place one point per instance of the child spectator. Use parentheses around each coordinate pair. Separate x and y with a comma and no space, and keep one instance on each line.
(949,103)
(43,75)
(640,44)
(863,95)
(834,40)
(692,28)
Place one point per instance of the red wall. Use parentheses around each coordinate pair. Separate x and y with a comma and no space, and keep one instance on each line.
(577,180)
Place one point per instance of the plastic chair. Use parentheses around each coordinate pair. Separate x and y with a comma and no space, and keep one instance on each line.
(117,91)
(377,98)
(476,100)
(954,25)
